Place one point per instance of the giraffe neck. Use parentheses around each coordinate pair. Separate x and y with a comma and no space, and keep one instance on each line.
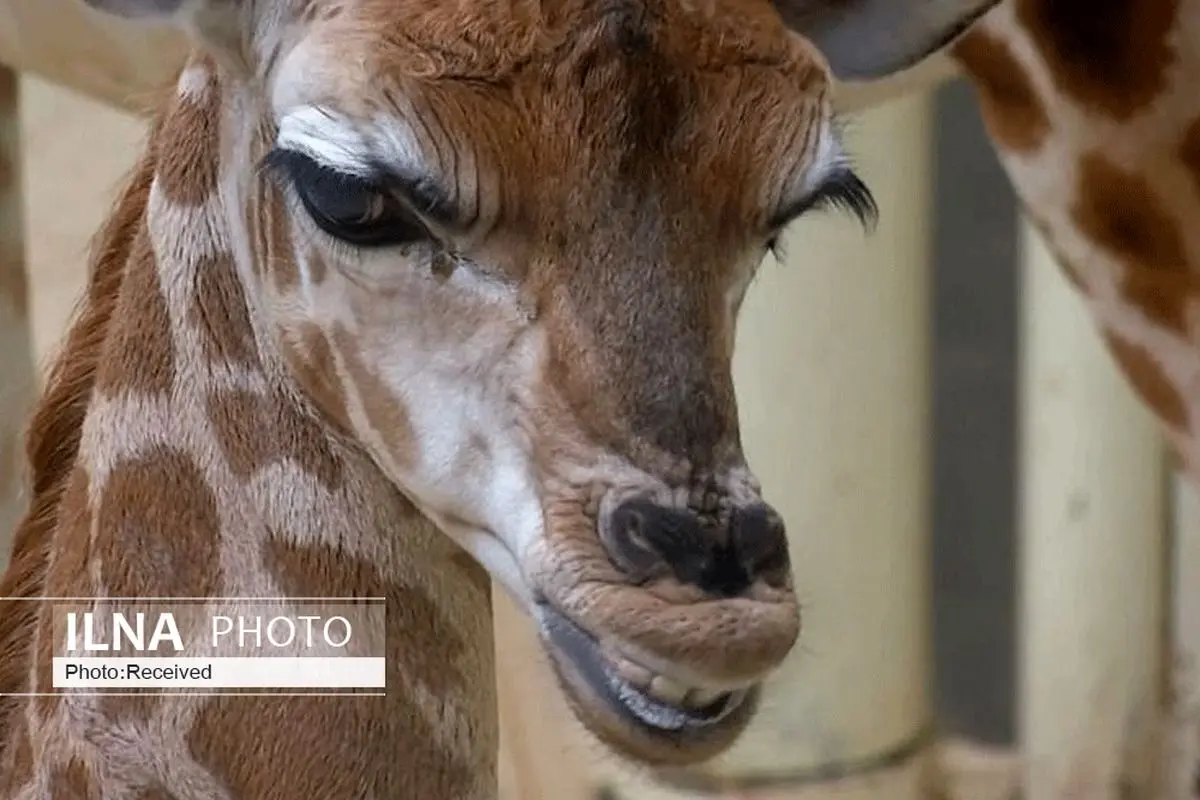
(201,472)
(1104,160)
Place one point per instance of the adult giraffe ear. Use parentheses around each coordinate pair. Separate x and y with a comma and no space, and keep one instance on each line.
(870,39)
(223,24)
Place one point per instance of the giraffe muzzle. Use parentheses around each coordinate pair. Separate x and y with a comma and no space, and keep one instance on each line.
(644,714)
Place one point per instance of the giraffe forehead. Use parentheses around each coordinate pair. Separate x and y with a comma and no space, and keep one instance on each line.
(380,47)
(623,105)
(348,121)
(487,38)
(451,132)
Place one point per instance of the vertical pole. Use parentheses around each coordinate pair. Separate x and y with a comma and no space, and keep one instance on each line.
(16,341)
(1091,562)
(1185,629)
(832,371)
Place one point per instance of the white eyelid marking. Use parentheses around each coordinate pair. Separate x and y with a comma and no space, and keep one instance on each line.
(326,138)
(348,145)
(828,158)
(398,143)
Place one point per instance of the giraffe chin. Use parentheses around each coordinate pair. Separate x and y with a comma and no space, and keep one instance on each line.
(643,717)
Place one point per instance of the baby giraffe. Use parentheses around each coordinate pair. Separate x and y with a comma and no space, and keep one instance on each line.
(400,288)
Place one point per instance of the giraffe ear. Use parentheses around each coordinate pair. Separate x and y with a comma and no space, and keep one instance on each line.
(219,23)
(870,39)
(165,10)
(136,8)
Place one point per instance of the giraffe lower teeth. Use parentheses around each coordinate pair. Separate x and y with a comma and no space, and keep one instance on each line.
(703,698)
(635,674)
(658,701)
(665,689)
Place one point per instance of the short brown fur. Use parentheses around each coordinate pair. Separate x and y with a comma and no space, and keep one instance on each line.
(52,443)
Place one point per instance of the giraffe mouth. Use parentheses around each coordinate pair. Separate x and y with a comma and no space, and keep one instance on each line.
(655,704)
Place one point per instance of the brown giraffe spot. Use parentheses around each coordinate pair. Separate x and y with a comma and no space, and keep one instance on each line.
(474,574)
(1111,55)
(158,528)
(383,408)
(360,741)
(268,223)
(286,273)
(67,573)
(191,135)
(220,314)
(1146,376)
(20,768)
(73,781)
(141,354)
(427,646)
(255,431)
(334,747)
(1162,296)
(1120,212)
(1012,111)
(313,364)
(317,268)
(44,705)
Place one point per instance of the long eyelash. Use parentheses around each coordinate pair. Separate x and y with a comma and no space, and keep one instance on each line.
(847,192)
(280,162)
(275,163)
(844,192)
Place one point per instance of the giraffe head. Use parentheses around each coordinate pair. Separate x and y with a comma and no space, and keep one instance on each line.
(502,245)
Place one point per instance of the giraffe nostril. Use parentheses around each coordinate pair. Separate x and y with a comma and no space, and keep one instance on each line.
(628,541)
(759,534)
(647,538)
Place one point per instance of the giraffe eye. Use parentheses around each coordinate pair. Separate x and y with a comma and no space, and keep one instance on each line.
(350,208)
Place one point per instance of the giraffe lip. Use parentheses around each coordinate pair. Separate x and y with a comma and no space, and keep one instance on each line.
(650,702)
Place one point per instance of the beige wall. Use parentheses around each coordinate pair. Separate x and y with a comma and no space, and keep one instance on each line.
(76,155)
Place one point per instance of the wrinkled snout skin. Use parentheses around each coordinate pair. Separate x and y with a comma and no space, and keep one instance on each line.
(658,544)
